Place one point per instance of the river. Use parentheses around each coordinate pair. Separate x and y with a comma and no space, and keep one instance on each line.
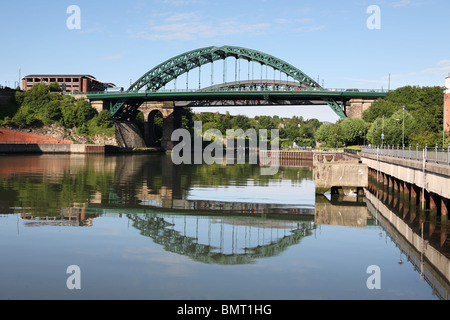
(140,227)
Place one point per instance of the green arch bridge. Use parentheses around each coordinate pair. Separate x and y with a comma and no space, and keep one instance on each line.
(301,90)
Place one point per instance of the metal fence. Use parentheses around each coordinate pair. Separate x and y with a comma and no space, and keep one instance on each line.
(244,89)
(434,154)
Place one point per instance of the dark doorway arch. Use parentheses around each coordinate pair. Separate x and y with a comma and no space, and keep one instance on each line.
(154,132)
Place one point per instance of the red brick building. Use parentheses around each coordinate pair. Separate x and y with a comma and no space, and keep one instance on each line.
(71,83)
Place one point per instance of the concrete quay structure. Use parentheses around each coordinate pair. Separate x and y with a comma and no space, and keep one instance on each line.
(421,181)
(345,176)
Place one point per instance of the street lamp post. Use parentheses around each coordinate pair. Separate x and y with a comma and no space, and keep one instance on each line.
(403,131)
(443,120)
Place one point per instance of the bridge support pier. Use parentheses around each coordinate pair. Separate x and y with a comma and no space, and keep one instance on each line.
(170,124)
(128,135)
(355,107)
(172,119)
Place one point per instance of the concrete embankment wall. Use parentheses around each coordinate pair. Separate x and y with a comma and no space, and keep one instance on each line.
(13,136)
(12,141)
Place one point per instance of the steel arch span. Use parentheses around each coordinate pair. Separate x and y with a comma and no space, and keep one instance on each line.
(124,105)
(169,70)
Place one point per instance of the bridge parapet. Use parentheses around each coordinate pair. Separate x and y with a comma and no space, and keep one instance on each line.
(427,169)
(436,155)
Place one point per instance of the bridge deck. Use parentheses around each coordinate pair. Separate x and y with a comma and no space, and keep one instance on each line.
(236,94)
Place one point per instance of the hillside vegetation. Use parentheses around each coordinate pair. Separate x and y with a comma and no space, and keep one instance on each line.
(421,123)
(44,105)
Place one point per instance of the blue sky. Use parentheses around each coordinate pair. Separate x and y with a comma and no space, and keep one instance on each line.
(119,41)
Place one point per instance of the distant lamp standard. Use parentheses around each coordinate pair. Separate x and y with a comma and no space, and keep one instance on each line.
(403,131)
(382,134)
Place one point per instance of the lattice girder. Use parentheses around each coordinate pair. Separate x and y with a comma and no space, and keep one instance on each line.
(171,69)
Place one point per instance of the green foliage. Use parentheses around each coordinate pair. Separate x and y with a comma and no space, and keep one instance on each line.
(296,129)
(240,122)
(346,132)
(330,135)
(101,124)
(77,114)
(423,117)
(352,131)
(188,118)
(54,87)
(26,116)
(392,129)
(379,108)
(43,105)
(8,110)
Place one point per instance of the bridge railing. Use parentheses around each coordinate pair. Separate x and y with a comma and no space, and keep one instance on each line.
(247,89)
(429,154)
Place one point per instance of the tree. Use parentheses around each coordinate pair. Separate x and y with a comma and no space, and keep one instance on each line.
(240,122)
(77,114)
(330,135)
(380,108)
(54,87)
(52,112)
(393,129)
(352,130)
(423,116)
(266,122)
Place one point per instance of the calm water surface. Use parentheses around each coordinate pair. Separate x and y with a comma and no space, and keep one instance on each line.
(139,227)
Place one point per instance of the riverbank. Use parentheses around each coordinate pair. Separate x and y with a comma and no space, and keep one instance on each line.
(52,134)
(41,148)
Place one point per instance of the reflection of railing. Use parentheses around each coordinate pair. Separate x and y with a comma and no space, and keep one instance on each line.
(64,217)
(412,245)
(246,89)
(219,247)
(437,155)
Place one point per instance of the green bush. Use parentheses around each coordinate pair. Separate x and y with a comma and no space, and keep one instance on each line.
(43,105)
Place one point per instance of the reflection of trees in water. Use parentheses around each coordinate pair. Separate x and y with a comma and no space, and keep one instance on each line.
(45,192)
(54,182)
(163,233)
(157,171)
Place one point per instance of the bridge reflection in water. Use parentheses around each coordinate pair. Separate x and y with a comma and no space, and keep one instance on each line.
(159,200)
(222,240)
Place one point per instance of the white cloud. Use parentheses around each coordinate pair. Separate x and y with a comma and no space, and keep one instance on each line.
(309,28)
(183,2)
(189,26)
(401,3)
(442,68)
(408,3)
(299,25)
(440,71)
